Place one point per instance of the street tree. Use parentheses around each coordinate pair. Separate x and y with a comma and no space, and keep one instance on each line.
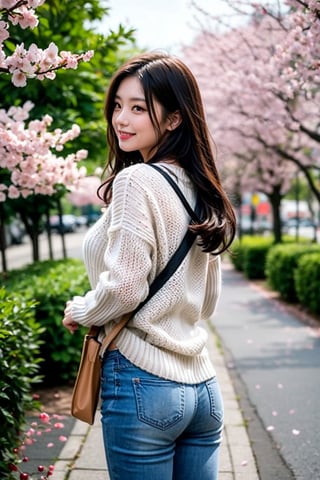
(253,111)
(32,175)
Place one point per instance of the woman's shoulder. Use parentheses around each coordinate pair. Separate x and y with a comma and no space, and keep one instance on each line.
(142,172)
(133,172)
(137,183)
(139,176)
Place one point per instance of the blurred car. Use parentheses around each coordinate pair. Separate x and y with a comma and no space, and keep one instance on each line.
(69,223)
(92,217)
(299,222)
(81,220)
(14,232)
(304,227)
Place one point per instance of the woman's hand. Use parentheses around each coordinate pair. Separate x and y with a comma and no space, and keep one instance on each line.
(67,320)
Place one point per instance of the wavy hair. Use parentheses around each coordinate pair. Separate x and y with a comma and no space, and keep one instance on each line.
(169,81)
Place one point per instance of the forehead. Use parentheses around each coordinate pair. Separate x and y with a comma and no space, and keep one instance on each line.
(130,87)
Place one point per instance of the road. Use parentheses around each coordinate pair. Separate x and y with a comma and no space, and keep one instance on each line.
(20,255)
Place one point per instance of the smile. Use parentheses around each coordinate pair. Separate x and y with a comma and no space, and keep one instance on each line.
(125,135)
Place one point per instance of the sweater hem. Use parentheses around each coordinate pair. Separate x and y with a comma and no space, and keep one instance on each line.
(164,363)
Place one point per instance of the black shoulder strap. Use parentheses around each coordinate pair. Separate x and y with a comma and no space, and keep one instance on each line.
(195,215)
(183,248)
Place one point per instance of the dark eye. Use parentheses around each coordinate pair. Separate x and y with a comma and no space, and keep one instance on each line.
(138,108)
(116,106)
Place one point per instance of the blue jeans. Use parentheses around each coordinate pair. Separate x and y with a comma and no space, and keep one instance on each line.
(156,429)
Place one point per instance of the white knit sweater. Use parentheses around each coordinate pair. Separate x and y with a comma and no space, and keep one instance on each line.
(124,251)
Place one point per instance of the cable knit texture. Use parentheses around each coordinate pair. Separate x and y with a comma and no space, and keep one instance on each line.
(124,252)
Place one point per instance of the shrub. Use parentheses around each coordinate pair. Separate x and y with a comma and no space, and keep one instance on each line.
(280,266)
(236,256)
(19,367)
(51,284)
(307,281)
(249,255)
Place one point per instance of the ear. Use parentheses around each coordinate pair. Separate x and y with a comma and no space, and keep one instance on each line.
(174,120)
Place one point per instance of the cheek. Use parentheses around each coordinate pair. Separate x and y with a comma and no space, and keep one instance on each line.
(114,119)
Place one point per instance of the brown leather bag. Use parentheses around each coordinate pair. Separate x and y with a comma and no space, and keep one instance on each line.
(85,396)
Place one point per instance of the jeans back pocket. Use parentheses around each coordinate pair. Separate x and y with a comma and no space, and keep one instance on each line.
(160,403)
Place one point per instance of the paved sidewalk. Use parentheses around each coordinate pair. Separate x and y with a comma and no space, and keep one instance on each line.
(82,457)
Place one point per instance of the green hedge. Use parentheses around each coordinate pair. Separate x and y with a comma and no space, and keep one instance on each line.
(249,255)
(19,368)
(281,263)
(51,284)
(307,281)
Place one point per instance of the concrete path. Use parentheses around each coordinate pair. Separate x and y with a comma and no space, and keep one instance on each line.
(275,359)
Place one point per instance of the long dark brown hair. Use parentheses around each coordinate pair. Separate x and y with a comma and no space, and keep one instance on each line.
(169,81)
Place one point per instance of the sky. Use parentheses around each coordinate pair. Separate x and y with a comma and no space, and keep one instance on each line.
(161,24)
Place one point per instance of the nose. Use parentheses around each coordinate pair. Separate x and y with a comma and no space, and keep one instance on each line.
(121,117)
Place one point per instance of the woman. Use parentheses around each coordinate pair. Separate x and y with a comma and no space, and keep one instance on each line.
(162,411)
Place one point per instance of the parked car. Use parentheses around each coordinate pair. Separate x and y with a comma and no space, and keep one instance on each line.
(69,223)
(305,228)
(301,222)
(14,232)
(93,217)
(81,221)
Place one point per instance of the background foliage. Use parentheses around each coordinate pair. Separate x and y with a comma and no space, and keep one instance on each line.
(50,284)
(19,367)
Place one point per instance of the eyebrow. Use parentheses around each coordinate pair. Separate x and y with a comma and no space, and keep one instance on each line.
(133,99)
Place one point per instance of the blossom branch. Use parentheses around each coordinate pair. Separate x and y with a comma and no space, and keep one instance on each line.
(32,62)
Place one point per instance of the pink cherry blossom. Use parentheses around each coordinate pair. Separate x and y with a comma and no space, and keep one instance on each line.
(31,62)
(260,85)
(58,425)
(44,417)
(4,34)
(30,153)
(270,428)
(19,79)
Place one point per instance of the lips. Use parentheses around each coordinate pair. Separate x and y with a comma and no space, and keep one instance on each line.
(125,135)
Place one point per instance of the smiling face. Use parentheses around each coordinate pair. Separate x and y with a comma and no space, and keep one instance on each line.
(131,120)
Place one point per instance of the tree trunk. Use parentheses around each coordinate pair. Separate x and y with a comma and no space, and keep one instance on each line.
(275,200)
(3,240)
(32,226)
(49,235)
(60,212)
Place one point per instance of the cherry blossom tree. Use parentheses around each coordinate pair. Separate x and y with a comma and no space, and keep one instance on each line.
(33,169)
(261,119)
(30,166)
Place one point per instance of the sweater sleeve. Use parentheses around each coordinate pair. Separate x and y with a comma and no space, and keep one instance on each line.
(213,287)
(126,264)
